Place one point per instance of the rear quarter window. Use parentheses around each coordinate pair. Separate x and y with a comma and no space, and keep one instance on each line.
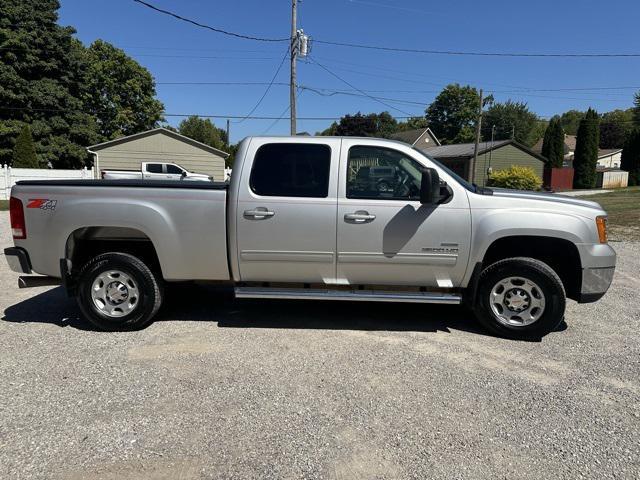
(291,170)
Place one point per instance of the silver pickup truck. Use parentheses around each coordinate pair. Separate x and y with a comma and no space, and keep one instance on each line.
(311,218)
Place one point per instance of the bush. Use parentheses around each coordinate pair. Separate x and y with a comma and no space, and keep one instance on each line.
(24,151)
(516,178)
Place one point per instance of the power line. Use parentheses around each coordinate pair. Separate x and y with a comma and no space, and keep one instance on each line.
(286,53)
(396,49)
(476,54)
(209,27)
(257,117)
(225,83)
(331,93)
(355,88)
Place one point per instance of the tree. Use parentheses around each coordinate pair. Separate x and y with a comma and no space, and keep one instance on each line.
(359,125)
(570,121)
(120,93)
(615,127)
(413,123)
(586,154)
(631,157)
(24,151)
(204,131)
(553,144)
(453,114)
(41,84)
(636,108)
(511,118)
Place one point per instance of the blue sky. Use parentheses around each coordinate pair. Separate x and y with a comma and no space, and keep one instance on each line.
(175,51)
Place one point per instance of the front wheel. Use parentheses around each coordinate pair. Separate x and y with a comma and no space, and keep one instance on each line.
(521,298)
(117,291)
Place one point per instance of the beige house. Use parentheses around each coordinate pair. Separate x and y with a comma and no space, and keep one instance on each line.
(158,145)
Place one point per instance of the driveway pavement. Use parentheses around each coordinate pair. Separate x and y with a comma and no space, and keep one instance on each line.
(219,388)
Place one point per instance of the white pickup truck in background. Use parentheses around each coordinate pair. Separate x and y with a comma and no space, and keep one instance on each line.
(155,171)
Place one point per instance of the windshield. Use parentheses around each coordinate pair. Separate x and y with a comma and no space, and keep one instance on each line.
(469,186)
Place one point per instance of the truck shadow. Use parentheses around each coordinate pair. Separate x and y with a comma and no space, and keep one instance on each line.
(211,304)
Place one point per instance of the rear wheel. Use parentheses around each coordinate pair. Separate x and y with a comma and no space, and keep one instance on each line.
(117,291)
(520,298)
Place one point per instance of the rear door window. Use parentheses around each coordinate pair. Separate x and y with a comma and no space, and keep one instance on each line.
(291,170)
(154,167)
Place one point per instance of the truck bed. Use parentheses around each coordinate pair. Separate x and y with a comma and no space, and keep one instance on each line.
(185,222)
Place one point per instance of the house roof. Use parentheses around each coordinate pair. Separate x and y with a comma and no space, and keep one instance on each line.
(156,131)
(569,144)
(466,150)
(412,136)
(605,152)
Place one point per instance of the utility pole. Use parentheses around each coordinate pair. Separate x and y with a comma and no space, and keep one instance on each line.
(472,164)
(228,139)
(294,53)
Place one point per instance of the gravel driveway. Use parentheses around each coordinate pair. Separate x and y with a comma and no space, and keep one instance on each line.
(219,388)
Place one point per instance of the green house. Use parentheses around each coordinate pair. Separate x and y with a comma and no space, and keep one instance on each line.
(492,156)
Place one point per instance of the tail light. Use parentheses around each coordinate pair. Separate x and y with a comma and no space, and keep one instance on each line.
(16,213)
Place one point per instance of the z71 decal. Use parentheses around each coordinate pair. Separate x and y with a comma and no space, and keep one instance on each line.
(42,203)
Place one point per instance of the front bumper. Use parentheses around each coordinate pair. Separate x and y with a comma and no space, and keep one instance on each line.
(595,283)
(18,259)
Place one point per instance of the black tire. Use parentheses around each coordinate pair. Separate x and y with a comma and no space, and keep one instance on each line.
(528,268)
(147,301)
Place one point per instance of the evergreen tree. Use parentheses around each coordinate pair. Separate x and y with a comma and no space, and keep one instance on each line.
(553,144)
(41,78)
(586,154)
(631,157)
(24,151)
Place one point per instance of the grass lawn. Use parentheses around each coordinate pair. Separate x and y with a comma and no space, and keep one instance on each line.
(4,204)
(623,207)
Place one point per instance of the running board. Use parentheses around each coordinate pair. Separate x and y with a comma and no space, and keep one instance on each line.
(351,295)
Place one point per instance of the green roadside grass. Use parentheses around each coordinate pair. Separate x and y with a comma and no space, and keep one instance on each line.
(623,207)
(4,204)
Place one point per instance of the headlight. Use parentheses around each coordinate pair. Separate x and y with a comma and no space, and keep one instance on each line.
(601,223)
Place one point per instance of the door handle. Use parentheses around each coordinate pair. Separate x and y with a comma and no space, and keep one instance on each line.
(360,216)
(259,213)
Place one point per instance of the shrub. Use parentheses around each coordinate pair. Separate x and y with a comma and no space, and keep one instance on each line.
(516,178)
(24,151)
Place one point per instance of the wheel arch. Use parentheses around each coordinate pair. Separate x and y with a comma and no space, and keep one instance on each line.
(85,243)
(560,254)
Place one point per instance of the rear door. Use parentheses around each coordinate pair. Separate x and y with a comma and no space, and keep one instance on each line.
(152,171)
(286,212)
(385,235)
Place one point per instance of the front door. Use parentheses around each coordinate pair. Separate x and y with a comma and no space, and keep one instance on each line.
(286,213)
(385,235)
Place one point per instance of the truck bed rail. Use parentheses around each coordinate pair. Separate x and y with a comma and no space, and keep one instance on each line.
(128,183)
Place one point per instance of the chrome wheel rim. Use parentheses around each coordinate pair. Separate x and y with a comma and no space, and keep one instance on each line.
(114,293)
(517,301)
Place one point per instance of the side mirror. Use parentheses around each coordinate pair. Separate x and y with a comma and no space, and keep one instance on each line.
(430,187)
(184,174)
